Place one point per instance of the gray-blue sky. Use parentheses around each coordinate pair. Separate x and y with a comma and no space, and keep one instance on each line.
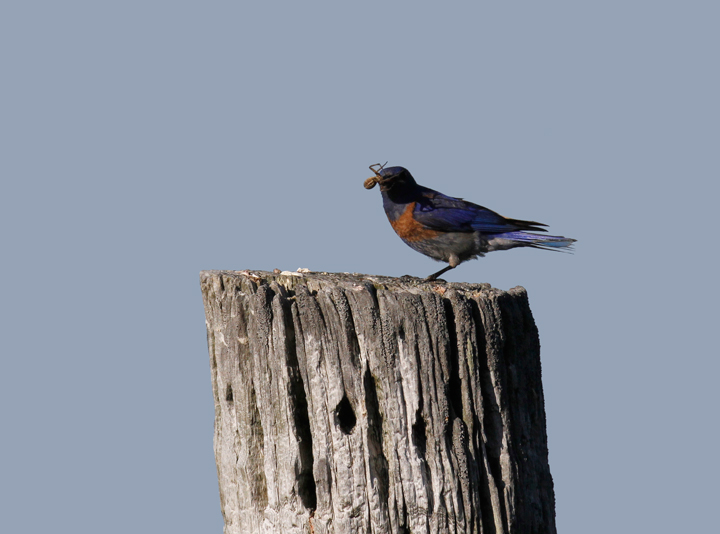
(145,141)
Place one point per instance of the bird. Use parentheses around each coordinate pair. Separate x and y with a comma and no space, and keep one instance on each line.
(451,229)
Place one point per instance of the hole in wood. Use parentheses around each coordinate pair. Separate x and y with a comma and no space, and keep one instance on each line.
(419,435)
(229,393)
(345,416)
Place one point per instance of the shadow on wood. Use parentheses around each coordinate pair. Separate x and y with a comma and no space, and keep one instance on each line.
(367,404)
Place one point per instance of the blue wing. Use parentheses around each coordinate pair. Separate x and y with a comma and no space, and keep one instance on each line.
(448,214)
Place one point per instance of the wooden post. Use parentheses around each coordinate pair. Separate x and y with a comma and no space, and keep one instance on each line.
(349,403)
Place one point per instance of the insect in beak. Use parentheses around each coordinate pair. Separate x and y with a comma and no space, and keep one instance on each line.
(377,179)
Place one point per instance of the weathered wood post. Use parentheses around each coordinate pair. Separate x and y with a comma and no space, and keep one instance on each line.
(348,403)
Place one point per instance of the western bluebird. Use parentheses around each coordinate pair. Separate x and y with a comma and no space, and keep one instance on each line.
(451,229)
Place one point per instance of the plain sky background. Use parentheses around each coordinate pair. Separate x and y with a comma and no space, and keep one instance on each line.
(142,142)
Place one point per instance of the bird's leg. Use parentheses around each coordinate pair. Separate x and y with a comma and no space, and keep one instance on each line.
(441,271)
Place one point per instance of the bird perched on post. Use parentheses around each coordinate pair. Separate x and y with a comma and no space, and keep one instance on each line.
(450,229)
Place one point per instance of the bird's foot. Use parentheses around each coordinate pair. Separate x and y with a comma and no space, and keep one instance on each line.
(434,276)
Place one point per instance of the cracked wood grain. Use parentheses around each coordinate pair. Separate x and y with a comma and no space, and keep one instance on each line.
(367,404)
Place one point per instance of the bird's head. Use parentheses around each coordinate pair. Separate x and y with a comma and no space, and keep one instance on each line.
(392,177)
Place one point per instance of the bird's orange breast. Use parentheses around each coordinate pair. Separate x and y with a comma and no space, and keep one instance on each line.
(409,229)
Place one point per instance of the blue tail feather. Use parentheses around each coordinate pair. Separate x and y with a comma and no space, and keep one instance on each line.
(547,242)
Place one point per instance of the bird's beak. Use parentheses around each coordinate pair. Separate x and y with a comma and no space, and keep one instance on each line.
(386,183)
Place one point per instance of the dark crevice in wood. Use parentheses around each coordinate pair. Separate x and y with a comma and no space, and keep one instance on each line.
(307,490)
(376,453)
(454,384)
(229,393)
(485,500)
(419,435)
(459,443)
(404,527)
(342,307)
(492,419)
